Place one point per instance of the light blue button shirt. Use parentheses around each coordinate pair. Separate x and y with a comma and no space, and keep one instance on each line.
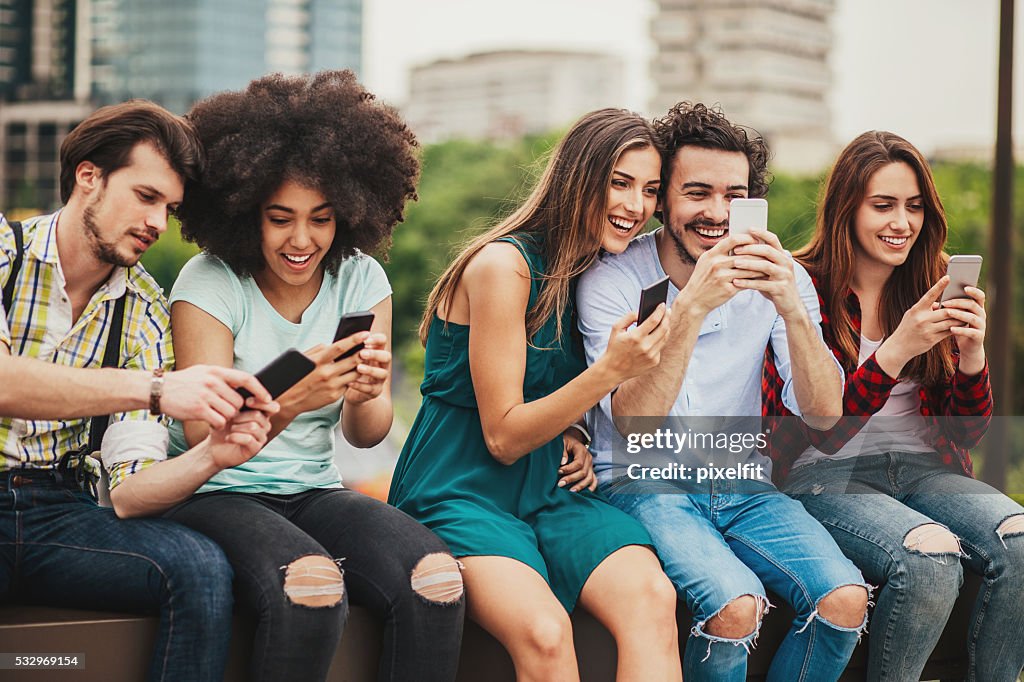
(723,378)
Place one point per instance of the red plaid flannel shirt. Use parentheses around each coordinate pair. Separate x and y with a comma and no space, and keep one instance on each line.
(966,400)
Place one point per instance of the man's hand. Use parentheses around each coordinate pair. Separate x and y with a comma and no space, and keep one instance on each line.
(776,280)
(714,278)
(240,439)
(208,394)
(577,467)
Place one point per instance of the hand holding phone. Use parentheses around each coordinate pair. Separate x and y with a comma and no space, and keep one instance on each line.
(353,323)
(963,272)
(651,297)
(282,373)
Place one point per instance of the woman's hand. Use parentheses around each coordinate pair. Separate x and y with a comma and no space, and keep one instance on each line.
(577,468)
(970,336)
(371,372)
(633,352)
(328,382)
(925,324)
(241,438)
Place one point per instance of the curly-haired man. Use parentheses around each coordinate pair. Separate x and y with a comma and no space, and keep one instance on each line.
(723,540)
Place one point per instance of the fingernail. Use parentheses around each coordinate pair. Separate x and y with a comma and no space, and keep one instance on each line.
(561,484)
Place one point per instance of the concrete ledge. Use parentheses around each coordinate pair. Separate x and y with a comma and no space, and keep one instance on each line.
(117,646)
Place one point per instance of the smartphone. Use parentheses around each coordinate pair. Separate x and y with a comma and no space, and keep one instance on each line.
(747,214)
(651,297)
(963,272)
(283,372)
(350,324)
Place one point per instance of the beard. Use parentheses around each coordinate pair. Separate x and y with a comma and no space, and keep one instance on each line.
(673,230)
(104,251)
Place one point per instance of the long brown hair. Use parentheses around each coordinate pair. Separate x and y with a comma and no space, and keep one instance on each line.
(830,254)
(564,212)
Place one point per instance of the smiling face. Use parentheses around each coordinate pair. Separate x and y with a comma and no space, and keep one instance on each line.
(889,218)
(126,211)
(298,227)
(632,197)
(696,204)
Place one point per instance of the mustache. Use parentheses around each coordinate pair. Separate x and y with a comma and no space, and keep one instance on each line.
(150,234)
(704,222)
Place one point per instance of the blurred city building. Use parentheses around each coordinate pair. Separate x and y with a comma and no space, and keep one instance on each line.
(175,53)
(509,93)
(764,61)
(60,59)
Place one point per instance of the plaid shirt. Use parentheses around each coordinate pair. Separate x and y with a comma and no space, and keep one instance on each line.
(39,325)
(961,409)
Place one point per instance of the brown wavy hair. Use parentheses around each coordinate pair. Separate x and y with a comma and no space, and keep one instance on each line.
(829,256)
(564,213)
(108,136)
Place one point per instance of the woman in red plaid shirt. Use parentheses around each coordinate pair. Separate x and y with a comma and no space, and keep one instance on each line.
(892,482)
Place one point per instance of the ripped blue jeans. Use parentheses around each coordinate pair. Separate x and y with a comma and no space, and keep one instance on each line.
(719,545)
(871,503)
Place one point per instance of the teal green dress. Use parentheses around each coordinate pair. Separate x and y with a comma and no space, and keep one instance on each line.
(448,480)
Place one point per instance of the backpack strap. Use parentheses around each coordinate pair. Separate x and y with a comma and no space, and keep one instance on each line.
(12,277)
(111,358)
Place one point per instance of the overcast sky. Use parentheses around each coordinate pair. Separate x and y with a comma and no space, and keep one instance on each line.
(925,69)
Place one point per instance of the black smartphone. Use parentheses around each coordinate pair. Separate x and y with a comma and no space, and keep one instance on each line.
(283,372)
(350,324)
(651,297)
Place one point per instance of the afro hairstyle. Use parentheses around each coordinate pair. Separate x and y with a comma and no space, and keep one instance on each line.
(323,131)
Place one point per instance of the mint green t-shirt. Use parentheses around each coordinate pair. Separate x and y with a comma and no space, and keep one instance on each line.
(302,456)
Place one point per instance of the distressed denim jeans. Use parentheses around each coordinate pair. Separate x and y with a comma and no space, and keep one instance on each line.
(721,544)
(871,503)
(380,550)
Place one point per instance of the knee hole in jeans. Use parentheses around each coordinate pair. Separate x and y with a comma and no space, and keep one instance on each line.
(438,578)
(931,538)
(1011,526)
(738,619)
(845,607)
(313,580)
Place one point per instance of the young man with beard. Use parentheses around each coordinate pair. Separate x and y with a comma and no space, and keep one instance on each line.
(722,541)
(123,171)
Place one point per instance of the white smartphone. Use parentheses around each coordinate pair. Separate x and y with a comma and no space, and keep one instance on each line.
(963,272)
(747,214)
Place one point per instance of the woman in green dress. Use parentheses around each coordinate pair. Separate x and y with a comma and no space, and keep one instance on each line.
(505,390)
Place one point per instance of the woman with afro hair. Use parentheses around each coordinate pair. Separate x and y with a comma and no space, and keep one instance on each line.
(304,176)
(496,462)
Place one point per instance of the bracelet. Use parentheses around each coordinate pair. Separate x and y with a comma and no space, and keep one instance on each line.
(582,431)
(156,391)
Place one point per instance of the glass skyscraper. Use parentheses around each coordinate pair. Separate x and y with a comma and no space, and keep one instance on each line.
(177,52)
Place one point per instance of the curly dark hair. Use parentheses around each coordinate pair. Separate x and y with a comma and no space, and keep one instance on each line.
(324,131)
(697,125)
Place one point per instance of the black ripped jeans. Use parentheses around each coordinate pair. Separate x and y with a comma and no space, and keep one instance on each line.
(379,548)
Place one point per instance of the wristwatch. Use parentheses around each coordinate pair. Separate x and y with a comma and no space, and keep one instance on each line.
(156,391)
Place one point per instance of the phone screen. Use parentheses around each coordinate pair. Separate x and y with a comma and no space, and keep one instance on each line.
(651,297)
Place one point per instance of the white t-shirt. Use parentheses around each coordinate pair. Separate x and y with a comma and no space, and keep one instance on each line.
(897,427)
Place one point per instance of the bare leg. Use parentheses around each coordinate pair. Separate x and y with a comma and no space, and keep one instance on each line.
(513,602)
(630,594)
